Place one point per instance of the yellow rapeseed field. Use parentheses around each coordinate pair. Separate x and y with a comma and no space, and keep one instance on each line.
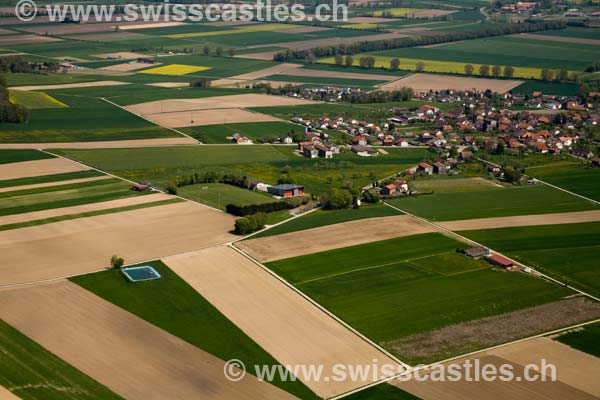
(439,66)
(34,100)
(397,12)
(175,69)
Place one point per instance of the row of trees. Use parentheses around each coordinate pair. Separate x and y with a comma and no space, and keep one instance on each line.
(9,112)
(379,45)
(218,51)
(250,223)
(496,71)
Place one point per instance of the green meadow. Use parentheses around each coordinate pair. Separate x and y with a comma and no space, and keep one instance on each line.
(493,202)
(566,252)
(574,177)
(400,287)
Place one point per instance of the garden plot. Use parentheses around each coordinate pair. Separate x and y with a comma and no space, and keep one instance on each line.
(286,325)
(99,339)
(82,245)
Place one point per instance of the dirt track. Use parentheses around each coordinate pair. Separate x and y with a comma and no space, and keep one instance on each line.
(41,185)
(426,82)
(103,145)
(104,205)
(86,244)
(130,356)
(523,220)
(70,85)
(48,166)
(346,234)
(281,321)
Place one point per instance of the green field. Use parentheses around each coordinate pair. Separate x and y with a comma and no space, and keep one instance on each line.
(50,197)
(582,33)
(171,304)
(586,339)
(330,217)
(382,392)
(555,88)
(263,163)
(85,120)
(446,184)
(33,373)
(506,51)
(493,202)
(218,195)
(216,134)
(11,156)
(566,252)
(574,177)
(345,82)
(400,287)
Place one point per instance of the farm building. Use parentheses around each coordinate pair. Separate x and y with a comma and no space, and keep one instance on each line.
(388,190)
(286,190)
(428,169)
(477,252)
(139,187)
(500,261)
(364,151)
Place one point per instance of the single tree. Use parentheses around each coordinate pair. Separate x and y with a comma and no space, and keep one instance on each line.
(349,61)
(394,64)
(509,71)
(420,67)
(116,262)
(496,71)
(469,69)
(219,51)
(339,59)
(484,70)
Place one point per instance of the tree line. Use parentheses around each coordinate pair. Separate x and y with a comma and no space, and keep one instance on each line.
(10,112)
(389,44)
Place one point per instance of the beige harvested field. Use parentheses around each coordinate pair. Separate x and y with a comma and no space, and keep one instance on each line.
(7,31)
(123,55)
(337,74)
(131,66)
(83,245)
(276,69)
(574,367)
(5,394)
(208,117)
(130,356)
(522,220)
(563,39)
(495,390)
(285,324)
(26,169)
(346,234)
(84,208)
(26,39)
(70,85)
(47,184)
(233,101)
(169,84)
(426,82)
(265,55)
(176,141)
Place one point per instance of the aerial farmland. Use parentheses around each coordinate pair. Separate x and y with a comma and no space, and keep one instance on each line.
(291,200)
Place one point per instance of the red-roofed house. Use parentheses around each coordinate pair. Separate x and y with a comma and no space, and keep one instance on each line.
(500,261)
(388,190)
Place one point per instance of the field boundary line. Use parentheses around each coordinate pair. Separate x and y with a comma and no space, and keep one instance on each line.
(467,240)
(322,309)
(146,119)
(544,182)
(369,268)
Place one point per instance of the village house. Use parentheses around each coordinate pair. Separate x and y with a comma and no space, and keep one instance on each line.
(440,167)
(426,168)
(388,190)
(364,151)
